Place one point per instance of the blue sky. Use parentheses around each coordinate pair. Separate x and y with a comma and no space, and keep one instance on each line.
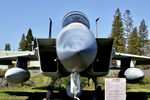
(17,16)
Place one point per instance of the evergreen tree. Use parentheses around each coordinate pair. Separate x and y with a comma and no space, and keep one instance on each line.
(7,47)
(134,42)
(117,32)
(29,39)
(147,48)
(23,43)
(35,43)
(128,26)
(143,34)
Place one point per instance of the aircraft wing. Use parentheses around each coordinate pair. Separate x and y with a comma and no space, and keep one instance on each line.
(6,60)
(140,60)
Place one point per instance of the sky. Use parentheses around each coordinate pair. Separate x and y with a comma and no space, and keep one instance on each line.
(17,16)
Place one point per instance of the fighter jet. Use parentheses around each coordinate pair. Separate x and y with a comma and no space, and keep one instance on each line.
(75,52)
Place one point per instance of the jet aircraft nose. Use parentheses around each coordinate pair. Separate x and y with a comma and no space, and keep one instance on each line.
(76,47)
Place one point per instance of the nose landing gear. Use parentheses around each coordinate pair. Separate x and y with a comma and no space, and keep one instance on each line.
(50,89)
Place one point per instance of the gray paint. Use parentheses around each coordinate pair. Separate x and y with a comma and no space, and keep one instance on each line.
(17,75)
(50,27)
(76,47)
(134,73)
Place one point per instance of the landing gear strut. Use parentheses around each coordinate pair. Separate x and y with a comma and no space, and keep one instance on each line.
(75,85)
(50,89)
(98,89)
(95,82)
(74,89)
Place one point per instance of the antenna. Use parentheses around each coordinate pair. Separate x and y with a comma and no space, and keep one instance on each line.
(97,28)
(50,27)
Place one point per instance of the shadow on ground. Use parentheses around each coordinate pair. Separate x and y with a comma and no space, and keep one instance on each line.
(86,95)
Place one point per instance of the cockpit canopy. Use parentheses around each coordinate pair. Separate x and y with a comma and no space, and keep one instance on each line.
(75,16)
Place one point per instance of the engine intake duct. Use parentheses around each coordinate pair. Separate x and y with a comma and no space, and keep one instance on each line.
(47,55)
(103,57)
(101,64)
(49,64)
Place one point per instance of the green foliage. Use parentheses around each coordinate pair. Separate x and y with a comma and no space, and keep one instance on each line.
(128,26)
(41,80)
(26,91)
(128,23)
(142,84)
(29,39)
(11,66)
(143,33)
(84,82)
(6,96)
(7,47)
(134,42)
(26,42)
(117,32)
(121,34)
(35,43)
(146,48)
(66,81)
(63,82)
(2,72)
(23,43)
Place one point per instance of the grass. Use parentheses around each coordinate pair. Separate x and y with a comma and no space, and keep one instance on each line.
(6,96)
(36,87)
(21,95)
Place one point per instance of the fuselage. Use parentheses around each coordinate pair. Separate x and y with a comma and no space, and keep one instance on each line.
(76,45)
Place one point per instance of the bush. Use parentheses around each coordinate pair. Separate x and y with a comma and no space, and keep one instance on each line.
(2,73)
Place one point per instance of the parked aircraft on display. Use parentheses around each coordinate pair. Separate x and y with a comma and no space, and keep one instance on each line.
(75,52)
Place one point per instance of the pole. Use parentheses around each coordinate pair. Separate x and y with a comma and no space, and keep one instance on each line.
(50,27)
(97,28)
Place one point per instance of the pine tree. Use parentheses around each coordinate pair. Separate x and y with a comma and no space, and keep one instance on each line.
(35,43)
(29,39)
(134,42)
(128,26)
(117,32)
(7,47)
(23,43)
(143,34)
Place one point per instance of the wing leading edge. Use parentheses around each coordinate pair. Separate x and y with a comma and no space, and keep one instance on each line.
(30,56)
(140,60)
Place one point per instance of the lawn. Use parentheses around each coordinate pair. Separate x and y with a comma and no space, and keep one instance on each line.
(35,89)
